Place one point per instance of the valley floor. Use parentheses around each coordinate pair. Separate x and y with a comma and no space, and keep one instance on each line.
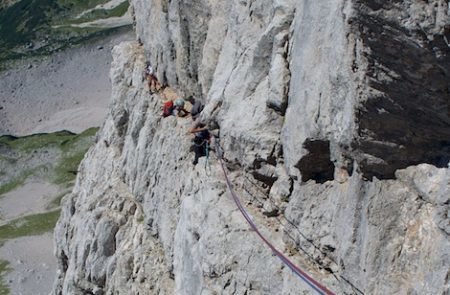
(67,91)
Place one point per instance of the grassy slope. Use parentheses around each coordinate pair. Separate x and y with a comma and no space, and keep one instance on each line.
(61,170)
(25,226)
(72,149)
(29,225)
(4,269)
(27,27)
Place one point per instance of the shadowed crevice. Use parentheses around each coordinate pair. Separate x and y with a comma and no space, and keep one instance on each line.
(316,165)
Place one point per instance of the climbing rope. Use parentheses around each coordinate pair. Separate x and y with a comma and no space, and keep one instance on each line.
(320,289)
(355,289)
(206,144)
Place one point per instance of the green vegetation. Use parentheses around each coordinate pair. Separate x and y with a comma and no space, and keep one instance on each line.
(73,152)
(64,140)
(30,27)
(67,168)
(29,225)
(36,141)
(52,156)
(8,160)
(16,182)
(56,202)
(61,169)
(100,14)
(21,22)
(75,7)
(79,139)
(119,10)
(4,269)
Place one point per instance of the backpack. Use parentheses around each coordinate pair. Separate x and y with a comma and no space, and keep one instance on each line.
(167,108)
(196,109)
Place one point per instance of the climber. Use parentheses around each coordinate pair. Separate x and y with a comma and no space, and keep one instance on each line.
(197,107)
(153,83)
(201,141)
(168,109)
(180,111)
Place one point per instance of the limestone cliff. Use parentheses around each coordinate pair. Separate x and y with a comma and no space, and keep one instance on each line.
(334,120)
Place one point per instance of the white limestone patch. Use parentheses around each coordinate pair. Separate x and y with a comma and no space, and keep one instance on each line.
(32,271)
(31,198)
(75,120)
(111,22)
(107,6)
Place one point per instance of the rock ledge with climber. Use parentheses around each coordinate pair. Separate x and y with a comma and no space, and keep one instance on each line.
(149,75)
(174,105)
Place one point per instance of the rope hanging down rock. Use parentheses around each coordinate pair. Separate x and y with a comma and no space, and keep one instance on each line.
(320,289)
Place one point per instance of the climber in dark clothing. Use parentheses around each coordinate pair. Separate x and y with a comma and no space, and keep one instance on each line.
(197,107)
(201,140)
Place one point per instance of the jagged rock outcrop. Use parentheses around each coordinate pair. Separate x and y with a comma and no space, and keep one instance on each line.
(333,119)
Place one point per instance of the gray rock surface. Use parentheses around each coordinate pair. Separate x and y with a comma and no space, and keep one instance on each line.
(323,124)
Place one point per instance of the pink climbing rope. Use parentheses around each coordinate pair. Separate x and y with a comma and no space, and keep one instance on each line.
(320,289)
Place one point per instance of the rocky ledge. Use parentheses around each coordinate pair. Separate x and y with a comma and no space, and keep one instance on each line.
(333,118)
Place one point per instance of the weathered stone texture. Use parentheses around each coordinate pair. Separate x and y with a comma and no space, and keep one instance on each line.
(405,119)
(334,122)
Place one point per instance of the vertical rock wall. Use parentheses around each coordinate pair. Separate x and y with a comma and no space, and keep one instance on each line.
(319,104)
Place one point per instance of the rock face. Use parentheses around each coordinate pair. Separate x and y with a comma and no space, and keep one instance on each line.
(333,118)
